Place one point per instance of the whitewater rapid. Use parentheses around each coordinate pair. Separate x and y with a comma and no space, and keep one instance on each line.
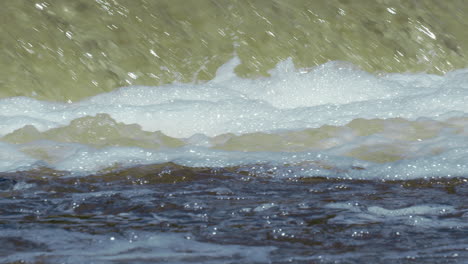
(328,119)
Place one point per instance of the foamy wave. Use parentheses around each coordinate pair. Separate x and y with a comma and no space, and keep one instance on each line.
(411,121)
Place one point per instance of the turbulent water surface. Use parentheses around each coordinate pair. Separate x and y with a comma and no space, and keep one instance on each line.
(233,131)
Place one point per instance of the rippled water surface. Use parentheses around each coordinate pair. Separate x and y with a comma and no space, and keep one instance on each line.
(168,213)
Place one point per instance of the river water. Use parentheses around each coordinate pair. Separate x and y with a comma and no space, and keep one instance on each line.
(233,131)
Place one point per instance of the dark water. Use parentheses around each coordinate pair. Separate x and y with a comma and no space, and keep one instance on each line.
(227,216)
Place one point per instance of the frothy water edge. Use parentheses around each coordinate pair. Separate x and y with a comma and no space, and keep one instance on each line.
(329,120)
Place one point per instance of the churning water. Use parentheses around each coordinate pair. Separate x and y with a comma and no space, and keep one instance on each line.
(233,132)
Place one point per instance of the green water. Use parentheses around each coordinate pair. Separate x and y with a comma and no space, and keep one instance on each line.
(71,49)
(398,137)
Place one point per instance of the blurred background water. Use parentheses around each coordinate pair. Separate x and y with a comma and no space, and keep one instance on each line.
(71,49)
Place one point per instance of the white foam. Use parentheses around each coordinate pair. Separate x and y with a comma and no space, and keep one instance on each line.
(412,210)
(418,215)
(82,160)
(331,94)
(452,163)
(11,159)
